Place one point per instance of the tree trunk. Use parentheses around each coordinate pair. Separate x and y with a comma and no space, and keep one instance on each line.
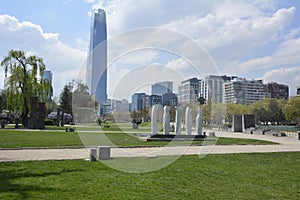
(24,115)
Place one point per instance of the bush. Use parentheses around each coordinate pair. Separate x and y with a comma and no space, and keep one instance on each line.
(49,122)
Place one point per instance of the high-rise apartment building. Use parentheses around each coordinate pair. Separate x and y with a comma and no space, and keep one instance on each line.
(242,91)
(278,91)
(190,90)
(213,88)
(96,71)
(161,88)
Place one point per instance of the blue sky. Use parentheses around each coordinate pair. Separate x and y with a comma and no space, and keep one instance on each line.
(257,39)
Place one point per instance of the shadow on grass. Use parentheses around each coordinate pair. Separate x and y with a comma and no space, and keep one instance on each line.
(9,185)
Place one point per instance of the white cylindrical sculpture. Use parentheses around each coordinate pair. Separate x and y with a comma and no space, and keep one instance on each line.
(199,121)
(166,120)
(178,121)
(154,126)
(188,121)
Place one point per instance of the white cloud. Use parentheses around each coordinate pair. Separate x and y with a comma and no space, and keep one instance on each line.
(287,54)
(229,38)
(289,76)
(140,79)
(228,30)
(89,1)
(29,37)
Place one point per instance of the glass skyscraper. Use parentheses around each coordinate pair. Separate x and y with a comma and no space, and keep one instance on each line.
(96,72)
(161,88)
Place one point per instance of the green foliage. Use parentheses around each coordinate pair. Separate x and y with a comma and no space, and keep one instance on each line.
(23,79)
(292,110)
(2,100)
(269,110)
(233,109)
(226,176)
(49,122)
(76,100)
(51,105)
(84,105)
(65,99)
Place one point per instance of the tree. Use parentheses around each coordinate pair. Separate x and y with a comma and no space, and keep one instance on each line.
(292,110)
(51,105)
(65,99)
(269,110)
(76,100)
(23,79)
(233,109)
(275,109)
(2,100)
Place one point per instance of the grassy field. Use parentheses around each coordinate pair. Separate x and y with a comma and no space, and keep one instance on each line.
(10,138)
(230,176)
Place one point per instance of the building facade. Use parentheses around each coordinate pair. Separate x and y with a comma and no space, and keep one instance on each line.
(161,88)
(190,90)
(120,105)
(48,76)
(242,91)
(138,101)
(169,99)
(278,91)
(153,100)
(96,71)
(213,88)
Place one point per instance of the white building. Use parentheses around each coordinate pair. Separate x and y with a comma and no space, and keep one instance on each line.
(242,91)
(120,105)
(190,90)
(213,91)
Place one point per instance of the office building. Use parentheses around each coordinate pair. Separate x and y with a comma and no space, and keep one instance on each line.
(153,100)
(119,106)
(169,99)
(48,76)
(161,88)
(96,71)
(138,101)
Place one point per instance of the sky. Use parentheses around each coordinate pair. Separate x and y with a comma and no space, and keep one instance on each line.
(254,39)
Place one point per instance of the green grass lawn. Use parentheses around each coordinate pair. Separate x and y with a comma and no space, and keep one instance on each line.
(230,176)
(10,138)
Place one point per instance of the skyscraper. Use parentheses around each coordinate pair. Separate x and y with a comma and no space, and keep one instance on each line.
(96,72)
(190,90)
(161,88)
(48,76)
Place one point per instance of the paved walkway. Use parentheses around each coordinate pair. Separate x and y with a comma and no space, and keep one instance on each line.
(287,144)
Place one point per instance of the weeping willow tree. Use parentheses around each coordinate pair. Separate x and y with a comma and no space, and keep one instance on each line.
(23,79)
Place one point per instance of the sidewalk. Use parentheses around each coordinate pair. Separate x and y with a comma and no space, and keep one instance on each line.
(287,144)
